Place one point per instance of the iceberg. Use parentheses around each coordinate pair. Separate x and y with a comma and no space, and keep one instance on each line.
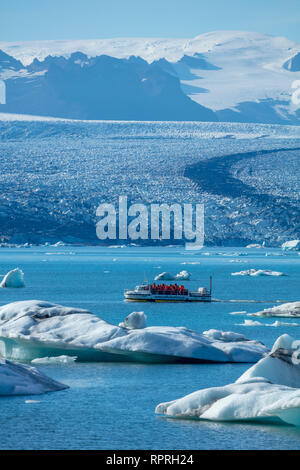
(36,329)
(292,245)
(290,309)
(268,391)
(20,379)
(165,276)
(258,272)
(54,360)
(183,276)
(14,278)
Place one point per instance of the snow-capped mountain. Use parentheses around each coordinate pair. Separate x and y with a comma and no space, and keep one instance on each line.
(230,76)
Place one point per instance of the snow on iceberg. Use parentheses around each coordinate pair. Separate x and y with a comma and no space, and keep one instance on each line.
(134,320)
(20,379)
(34,329)
(268,391)
(290,309)
(258,272)
(292,245)
(14,278)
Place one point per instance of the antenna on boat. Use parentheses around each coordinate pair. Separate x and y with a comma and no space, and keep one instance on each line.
(210,284)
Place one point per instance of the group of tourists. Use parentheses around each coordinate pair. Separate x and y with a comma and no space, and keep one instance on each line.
(171,289)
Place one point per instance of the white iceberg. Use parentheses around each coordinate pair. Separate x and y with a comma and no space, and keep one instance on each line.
(292,245)
(54,360)
(14,278)
(183,276)
(35,329)
(258,272)
(20,379)
(290,309)
(165,276)
(275,324)
(268,391)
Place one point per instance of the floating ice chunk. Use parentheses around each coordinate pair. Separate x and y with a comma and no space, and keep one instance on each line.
(292,245)
(35,329)
(183,275)
(14,278)
(60,243)
(258,272)
(255,245)
(54,360)
(290,309)
(165,276)
(268,391)
(134,320)
(275,324)
(242,312)
(20,379)
(227,336)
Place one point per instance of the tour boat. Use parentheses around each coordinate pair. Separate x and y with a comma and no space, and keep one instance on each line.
(167,293)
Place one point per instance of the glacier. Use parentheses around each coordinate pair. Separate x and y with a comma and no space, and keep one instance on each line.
(13,279)
(267,392)
(20,379)
(36,329)
(240,208)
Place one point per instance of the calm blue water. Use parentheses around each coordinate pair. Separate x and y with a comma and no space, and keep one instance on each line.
(111,406)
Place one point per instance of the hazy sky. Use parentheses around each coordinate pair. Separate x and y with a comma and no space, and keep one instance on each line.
(26,20)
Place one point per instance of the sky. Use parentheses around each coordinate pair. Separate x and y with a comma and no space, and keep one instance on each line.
(30,20)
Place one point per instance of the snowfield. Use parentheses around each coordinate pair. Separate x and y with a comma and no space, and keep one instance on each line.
(36,329)
(268,391)
(222,70)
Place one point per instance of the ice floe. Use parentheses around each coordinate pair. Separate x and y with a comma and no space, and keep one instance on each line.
(54,360)
(35,329)
(183,275)
(14,278)
(258,272)
(20,379)
(290,309)
(275,324)
(292,245)
(166,276)
(268,391)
